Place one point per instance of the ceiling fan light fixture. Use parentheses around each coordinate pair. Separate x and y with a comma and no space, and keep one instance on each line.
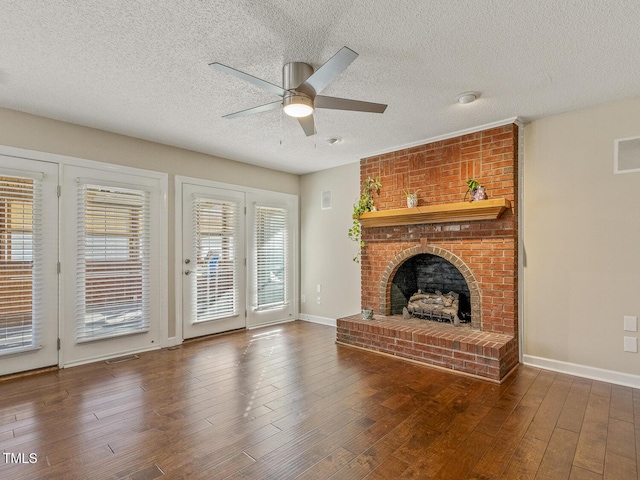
(298,106)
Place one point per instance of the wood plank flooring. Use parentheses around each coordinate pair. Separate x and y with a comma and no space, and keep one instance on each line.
(286,402)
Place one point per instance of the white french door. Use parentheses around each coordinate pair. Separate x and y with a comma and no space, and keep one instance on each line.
(28,264)
(271,220)
(213,273)
(111,264)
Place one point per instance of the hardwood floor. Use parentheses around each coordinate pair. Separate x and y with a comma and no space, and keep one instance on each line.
(286,402)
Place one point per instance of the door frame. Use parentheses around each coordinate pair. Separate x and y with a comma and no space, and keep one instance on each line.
(179,181)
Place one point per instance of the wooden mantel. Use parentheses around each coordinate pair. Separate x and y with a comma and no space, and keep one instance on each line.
(445,213)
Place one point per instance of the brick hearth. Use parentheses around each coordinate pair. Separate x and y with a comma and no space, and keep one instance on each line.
(485,354)
(484,251)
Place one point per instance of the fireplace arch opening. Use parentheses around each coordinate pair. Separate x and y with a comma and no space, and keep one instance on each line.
(430,269)
(426,273)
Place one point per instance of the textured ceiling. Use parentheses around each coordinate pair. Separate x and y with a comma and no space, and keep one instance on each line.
(140,68)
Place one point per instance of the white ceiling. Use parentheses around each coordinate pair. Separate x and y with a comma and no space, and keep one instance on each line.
(140,68)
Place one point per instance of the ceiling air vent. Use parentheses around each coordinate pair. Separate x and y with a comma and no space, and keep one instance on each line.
(627,155)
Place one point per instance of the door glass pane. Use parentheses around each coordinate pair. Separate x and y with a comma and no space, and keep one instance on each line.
(20,270)
(215,227)
(113,262)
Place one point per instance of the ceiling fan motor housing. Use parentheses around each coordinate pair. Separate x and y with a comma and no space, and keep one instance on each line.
(296,103)
(294,74)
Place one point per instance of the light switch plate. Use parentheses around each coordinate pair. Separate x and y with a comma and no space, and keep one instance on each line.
(630,324)
(631,344)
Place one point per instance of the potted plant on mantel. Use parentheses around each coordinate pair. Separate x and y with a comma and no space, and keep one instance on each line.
(412,198)
(364,204)
(476,190)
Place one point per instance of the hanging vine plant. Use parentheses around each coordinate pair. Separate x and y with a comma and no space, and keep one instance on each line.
(363,204)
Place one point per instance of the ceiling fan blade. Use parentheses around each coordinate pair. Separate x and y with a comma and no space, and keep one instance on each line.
(308,125)
(346,104)
(251,111)
(270,87)
(328,72)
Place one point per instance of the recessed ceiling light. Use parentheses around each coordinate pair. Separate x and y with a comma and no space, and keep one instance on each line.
(468,97)
(334,140)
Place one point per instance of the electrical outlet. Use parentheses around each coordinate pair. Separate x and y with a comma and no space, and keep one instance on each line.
(631,344)
(630,324)
(318,300)
(303,298)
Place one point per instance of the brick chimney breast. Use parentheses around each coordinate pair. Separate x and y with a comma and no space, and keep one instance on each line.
(484,251)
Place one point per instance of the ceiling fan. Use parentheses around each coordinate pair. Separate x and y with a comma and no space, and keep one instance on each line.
(300,89)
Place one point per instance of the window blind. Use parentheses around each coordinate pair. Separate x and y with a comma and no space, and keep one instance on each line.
(271,233)
(21,266)
(215,246)
(113,259)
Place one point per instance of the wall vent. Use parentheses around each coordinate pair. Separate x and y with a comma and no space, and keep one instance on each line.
(325,200)
(626,155)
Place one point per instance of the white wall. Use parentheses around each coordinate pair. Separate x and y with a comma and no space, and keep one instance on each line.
(326,250)
(46,135)
(582,243)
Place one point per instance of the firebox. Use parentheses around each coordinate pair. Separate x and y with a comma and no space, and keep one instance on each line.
(426,273)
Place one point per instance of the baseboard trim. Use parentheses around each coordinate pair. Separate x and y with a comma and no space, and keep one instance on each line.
(315,319)
(594,373)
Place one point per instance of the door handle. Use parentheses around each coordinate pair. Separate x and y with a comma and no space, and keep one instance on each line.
(187,272)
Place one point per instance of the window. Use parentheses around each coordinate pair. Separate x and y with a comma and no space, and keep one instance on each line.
(113,261)
(271,256)
(20,272)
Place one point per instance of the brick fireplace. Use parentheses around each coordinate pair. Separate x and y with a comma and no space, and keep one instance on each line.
(484,250)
